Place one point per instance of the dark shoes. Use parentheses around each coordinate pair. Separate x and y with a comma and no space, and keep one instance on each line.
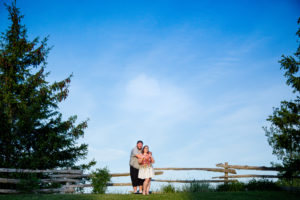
(138,192)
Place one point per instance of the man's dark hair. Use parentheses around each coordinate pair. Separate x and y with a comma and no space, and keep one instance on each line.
(140,141)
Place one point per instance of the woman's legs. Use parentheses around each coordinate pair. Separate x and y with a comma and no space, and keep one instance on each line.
(145,185)
(148,186)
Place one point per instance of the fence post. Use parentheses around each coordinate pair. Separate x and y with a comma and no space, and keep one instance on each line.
(226,172)
(67,188)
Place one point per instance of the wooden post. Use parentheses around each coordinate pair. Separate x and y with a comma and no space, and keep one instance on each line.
(226,172)
(67,188)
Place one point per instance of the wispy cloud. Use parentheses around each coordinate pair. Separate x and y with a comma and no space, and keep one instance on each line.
(156,99)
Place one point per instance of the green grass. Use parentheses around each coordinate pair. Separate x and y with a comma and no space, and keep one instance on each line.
(270,195)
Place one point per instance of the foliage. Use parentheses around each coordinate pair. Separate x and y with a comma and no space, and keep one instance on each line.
(33,134)
(28,183)
(295,182)
(252,185)
(197,187)
(100,179)
(262,185)
(284,132)
(84,180)
(168,189)
(31,182)
(231,187)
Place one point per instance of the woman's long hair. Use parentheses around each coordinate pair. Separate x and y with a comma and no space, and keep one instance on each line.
(144,148)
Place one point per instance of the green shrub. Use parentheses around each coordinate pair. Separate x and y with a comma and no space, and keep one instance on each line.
(28,183)
(295,182)
(32,182)
(197,187)
(253,185)
(262,185)
(232,187)
(100,178)
(168,189)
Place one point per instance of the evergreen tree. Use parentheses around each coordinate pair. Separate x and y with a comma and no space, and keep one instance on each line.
(32,132)
(284,132)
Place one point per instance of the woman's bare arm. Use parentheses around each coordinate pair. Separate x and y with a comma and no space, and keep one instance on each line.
(152,159)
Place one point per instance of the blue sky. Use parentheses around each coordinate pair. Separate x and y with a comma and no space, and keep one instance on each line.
(195,80)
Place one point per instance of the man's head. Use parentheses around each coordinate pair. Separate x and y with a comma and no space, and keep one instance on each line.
(139,144)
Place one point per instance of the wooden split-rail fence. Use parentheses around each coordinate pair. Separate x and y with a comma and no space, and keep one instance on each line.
(71,179)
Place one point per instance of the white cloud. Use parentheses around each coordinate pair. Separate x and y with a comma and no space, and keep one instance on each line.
(107,154)
(155,99)
(143,87)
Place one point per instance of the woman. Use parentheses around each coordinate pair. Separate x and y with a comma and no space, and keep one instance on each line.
(146,170)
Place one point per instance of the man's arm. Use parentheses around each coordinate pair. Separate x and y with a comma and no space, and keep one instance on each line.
(138,155)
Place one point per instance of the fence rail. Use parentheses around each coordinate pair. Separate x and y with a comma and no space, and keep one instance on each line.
(246,167)
(232,171)
(194,181)
(248,176)
(58,171)
(72,178)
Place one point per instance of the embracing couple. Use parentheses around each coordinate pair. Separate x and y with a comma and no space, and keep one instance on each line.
(141,170)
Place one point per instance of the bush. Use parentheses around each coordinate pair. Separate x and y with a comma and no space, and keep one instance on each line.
(168,189)
(197,187)
(295,182)
(262,185)
(232,187)
(28,183)
(100,178)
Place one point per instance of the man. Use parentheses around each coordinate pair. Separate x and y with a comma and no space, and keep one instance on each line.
(134,167)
